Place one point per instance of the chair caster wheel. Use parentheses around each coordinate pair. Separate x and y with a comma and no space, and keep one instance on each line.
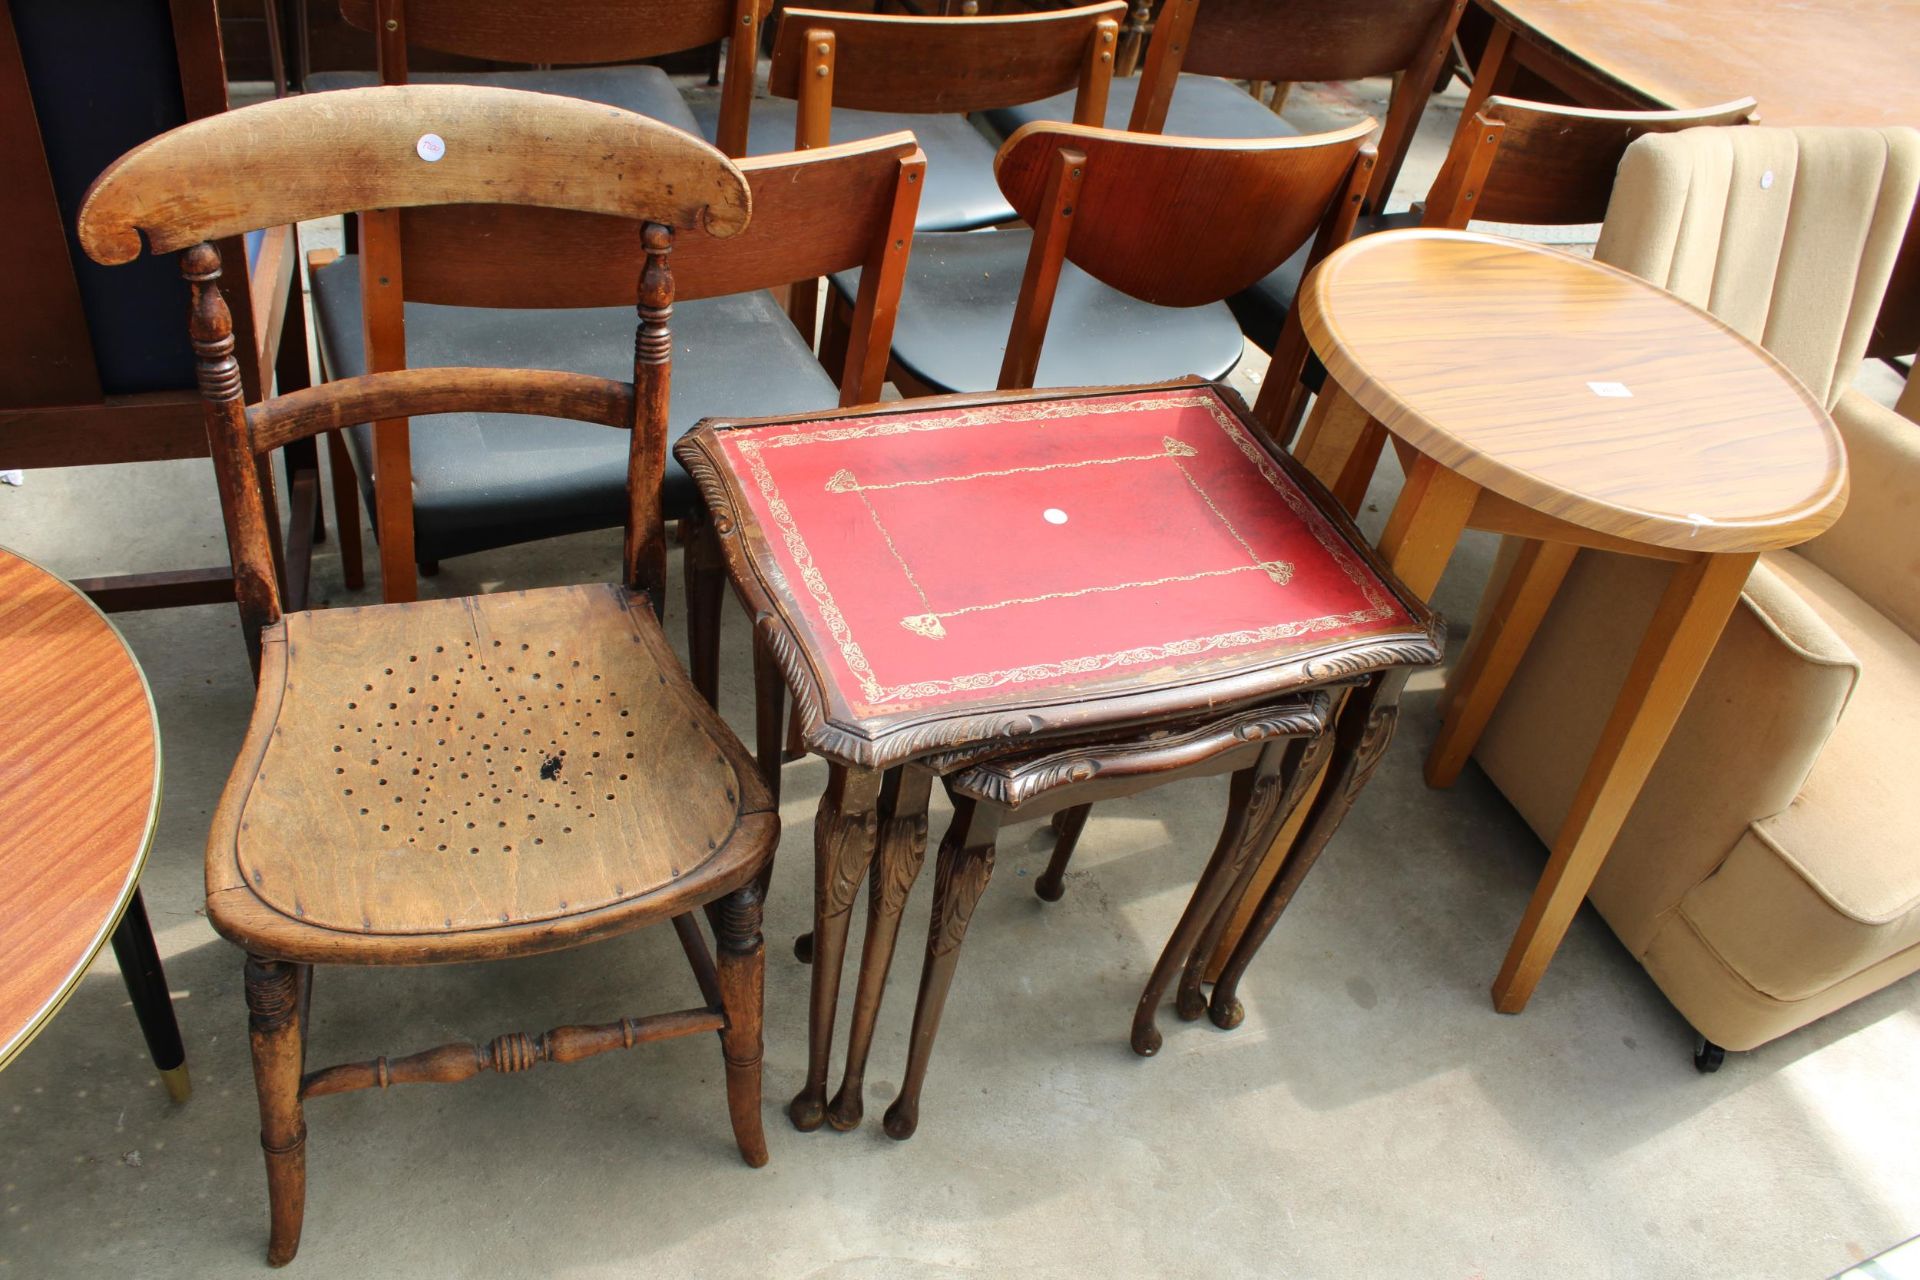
(803,948)
(1708,1057)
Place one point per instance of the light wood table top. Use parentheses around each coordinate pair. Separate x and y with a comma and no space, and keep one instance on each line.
(1809,62)
(1576,390)
(79,788)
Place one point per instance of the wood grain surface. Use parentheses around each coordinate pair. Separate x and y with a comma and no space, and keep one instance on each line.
(79,785)
(1714,447)
(478,763)
(566,31)
(1181,221)
(354,149)
(1811,62)
(885,62)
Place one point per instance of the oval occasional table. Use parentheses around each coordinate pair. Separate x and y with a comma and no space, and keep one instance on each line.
(80,791)
(1536,394)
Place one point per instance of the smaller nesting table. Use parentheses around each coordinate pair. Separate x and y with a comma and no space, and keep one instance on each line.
(80,791)
(1561,401)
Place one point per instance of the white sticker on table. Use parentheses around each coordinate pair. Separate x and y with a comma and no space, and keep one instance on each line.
(1054,515)
(1610,390)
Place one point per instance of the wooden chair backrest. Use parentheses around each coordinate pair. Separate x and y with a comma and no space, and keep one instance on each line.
(889,62)
(572,32)
(1311,40)
(814,213)
(329,153)
(1179,222)
(1535,162)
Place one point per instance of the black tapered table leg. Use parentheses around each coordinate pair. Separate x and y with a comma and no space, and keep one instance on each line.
(147,984)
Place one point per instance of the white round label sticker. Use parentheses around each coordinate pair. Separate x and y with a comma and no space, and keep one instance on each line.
(430,147)
(1054,515)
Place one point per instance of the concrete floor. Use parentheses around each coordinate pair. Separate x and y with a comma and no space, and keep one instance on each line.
(1373,1117)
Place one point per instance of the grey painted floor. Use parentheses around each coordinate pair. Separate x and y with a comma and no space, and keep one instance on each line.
(1373,1117)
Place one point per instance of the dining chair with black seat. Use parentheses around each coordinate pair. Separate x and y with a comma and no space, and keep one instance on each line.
(1199,48)
(975,307)
(881,72)
(536,289)
(465,779)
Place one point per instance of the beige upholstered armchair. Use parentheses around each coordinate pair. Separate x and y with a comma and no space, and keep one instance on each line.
(1770,871)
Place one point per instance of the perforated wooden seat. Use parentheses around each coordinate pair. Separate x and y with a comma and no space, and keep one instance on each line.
(455,771)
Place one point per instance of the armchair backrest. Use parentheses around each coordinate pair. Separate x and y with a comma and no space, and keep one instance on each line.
(404,147)
(1787,235)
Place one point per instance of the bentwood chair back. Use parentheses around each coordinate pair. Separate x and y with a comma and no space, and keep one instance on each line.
(469,779)
(1174,222)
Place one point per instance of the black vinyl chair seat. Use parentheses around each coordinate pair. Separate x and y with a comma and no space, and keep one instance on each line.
(1262,310)
(960,194)
(491,480)
(646,91)
(1202,107)
(957,305)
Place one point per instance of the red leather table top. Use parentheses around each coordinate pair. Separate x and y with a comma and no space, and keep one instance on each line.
(973,556)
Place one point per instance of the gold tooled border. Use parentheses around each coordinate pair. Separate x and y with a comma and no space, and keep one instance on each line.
(750,449)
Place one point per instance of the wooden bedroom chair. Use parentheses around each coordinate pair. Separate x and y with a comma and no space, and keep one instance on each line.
(465,779)
(86,377)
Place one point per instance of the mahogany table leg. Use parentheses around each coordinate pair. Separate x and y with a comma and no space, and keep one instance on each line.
(1254,813)
(1474,689)
(903,847)
(743,968)
(844,830)
(146,983)
(1692,612)
(1067,826)
(273,1027)
(1360,739)
(965,864)
(1305,756)
(769,707)
(704,578)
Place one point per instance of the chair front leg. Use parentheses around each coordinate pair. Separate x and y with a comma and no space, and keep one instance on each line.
(965,865)
(1360,740)
(273,1026)
(743,968)
(903,848)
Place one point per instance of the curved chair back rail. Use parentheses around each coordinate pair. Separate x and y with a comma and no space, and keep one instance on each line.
(304,157)
(325,153)
(814,213)
(885,62)
(1548,165)
(1178,222)
(562,31)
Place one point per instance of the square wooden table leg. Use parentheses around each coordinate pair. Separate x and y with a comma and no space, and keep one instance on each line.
(1474,688)
(1679,640)
(844,832)
(1340,444)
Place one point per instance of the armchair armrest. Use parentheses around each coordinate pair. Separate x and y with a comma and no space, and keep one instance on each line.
(1874,548)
